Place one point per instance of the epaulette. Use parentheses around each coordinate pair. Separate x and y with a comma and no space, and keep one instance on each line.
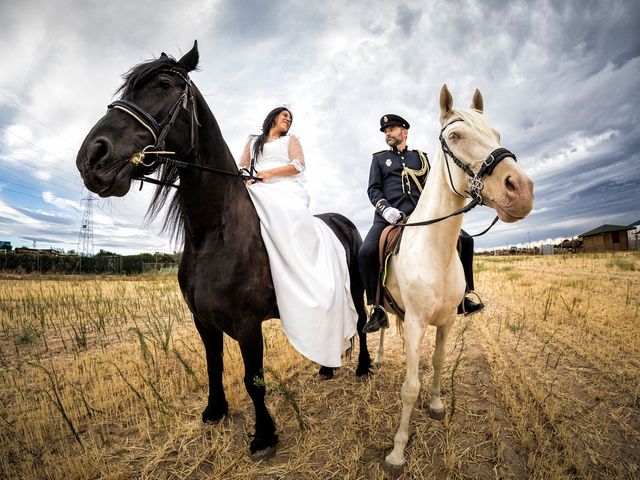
(381,151)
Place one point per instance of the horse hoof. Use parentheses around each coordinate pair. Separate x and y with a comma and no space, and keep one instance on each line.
(325,373)
(264,454)
(214,415)
(436,414)
(363,369)
(263,447)
(392,471)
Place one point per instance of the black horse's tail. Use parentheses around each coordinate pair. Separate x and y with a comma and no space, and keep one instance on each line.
(351,240)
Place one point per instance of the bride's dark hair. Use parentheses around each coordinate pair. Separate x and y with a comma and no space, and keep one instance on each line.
(267,125)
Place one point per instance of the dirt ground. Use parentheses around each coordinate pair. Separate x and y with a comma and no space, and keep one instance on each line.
(543,384)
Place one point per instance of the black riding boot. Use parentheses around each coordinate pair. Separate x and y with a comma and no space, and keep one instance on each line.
(377,320)
(468,306)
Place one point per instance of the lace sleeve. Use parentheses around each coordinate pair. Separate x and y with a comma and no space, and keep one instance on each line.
(295,154)
(245,158)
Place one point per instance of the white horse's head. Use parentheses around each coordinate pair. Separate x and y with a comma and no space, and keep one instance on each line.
(476,162)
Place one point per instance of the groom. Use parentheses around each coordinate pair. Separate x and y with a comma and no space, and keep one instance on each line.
(396,179)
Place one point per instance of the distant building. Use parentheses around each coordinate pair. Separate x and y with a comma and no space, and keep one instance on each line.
(634,235)
(606,238)
(6,246)
(571,245)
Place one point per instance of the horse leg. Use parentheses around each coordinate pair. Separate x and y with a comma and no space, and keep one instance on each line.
(413,334)
(350,239)
(263,444)
(357,294)
(436,409)
(380,351)
(212,338)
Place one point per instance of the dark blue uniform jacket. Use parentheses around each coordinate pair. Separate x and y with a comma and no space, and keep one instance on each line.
(386,180)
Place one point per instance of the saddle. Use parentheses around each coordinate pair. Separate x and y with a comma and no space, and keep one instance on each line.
(388,245)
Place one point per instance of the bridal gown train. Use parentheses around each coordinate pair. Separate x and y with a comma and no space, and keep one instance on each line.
(308,264)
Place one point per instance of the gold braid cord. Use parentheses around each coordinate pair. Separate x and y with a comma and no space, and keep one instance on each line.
(413,174)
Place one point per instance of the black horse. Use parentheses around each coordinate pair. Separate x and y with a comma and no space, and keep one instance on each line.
(224,273)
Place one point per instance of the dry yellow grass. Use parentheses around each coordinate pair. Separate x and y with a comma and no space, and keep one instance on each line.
(105,378)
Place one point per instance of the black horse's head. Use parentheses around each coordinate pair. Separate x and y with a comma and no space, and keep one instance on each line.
(156,111)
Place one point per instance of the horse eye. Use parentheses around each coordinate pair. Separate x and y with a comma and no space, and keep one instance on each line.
(165,84)
(453,136)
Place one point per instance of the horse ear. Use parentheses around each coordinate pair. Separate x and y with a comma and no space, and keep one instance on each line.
(163,56)
(446,102)
(191,58)
(477,103)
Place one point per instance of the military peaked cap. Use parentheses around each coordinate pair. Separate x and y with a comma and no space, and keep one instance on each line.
(391,119)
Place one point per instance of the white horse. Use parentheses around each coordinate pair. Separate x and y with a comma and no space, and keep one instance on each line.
(426,277)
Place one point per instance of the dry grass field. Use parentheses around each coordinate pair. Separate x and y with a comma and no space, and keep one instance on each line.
(105,378)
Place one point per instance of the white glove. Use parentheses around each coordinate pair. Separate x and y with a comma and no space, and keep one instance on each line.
(392,215)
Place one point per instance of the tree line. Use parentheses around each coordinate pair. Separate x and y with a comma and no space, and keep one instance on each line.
(104,262)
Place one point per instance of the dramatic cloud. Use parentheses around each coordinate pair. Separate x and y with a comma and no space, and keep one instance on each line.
(560,82)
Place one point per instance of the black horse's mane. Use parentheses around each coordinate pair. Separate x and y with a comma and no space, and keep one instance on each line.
(173,223)
(140,73)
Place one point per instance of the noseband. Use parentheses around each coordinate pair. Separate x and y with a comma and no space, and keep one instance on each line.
(475,178)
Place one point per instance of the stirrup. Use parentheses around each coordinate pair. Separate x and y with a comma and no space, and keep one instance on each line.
(473,292)
(476,307)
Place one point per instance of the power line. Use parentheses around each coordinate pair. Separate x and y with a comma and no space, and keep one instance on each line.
(25,222)
(20,107)
(26,194)
(26,189)
(30,207)
(32,144)
(75,183)
(21,193)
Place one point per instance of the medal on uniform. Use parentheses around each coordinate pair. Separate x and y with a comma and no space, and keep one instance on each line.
(388,162)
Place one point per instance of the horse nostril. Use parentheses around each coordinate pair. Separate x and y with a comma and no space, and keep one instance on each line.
(510,184)
(98,151)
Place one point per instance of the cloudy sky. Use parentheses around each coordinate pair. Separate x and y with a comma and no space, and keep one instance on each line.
(560,80)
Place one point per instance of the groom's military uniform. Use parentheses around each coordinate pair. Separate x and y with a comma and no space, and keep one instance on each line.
(396,180)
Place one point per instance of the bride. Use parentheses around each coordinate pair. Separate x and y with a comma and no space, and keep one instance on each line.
(308,263)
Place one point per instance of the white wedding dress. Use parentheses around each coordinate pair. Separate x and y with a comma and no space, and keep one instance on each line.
(308,264)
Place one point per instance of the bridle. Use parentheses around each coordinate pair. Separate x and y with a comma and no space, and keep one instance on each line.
(475,179)
(159,131)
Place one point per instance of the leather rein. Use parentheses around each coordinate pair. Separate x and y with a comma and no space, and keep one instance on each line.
(159,131)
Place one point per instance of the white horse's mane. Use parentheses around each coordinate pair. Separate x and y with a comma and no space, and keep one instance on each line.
(472,117)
